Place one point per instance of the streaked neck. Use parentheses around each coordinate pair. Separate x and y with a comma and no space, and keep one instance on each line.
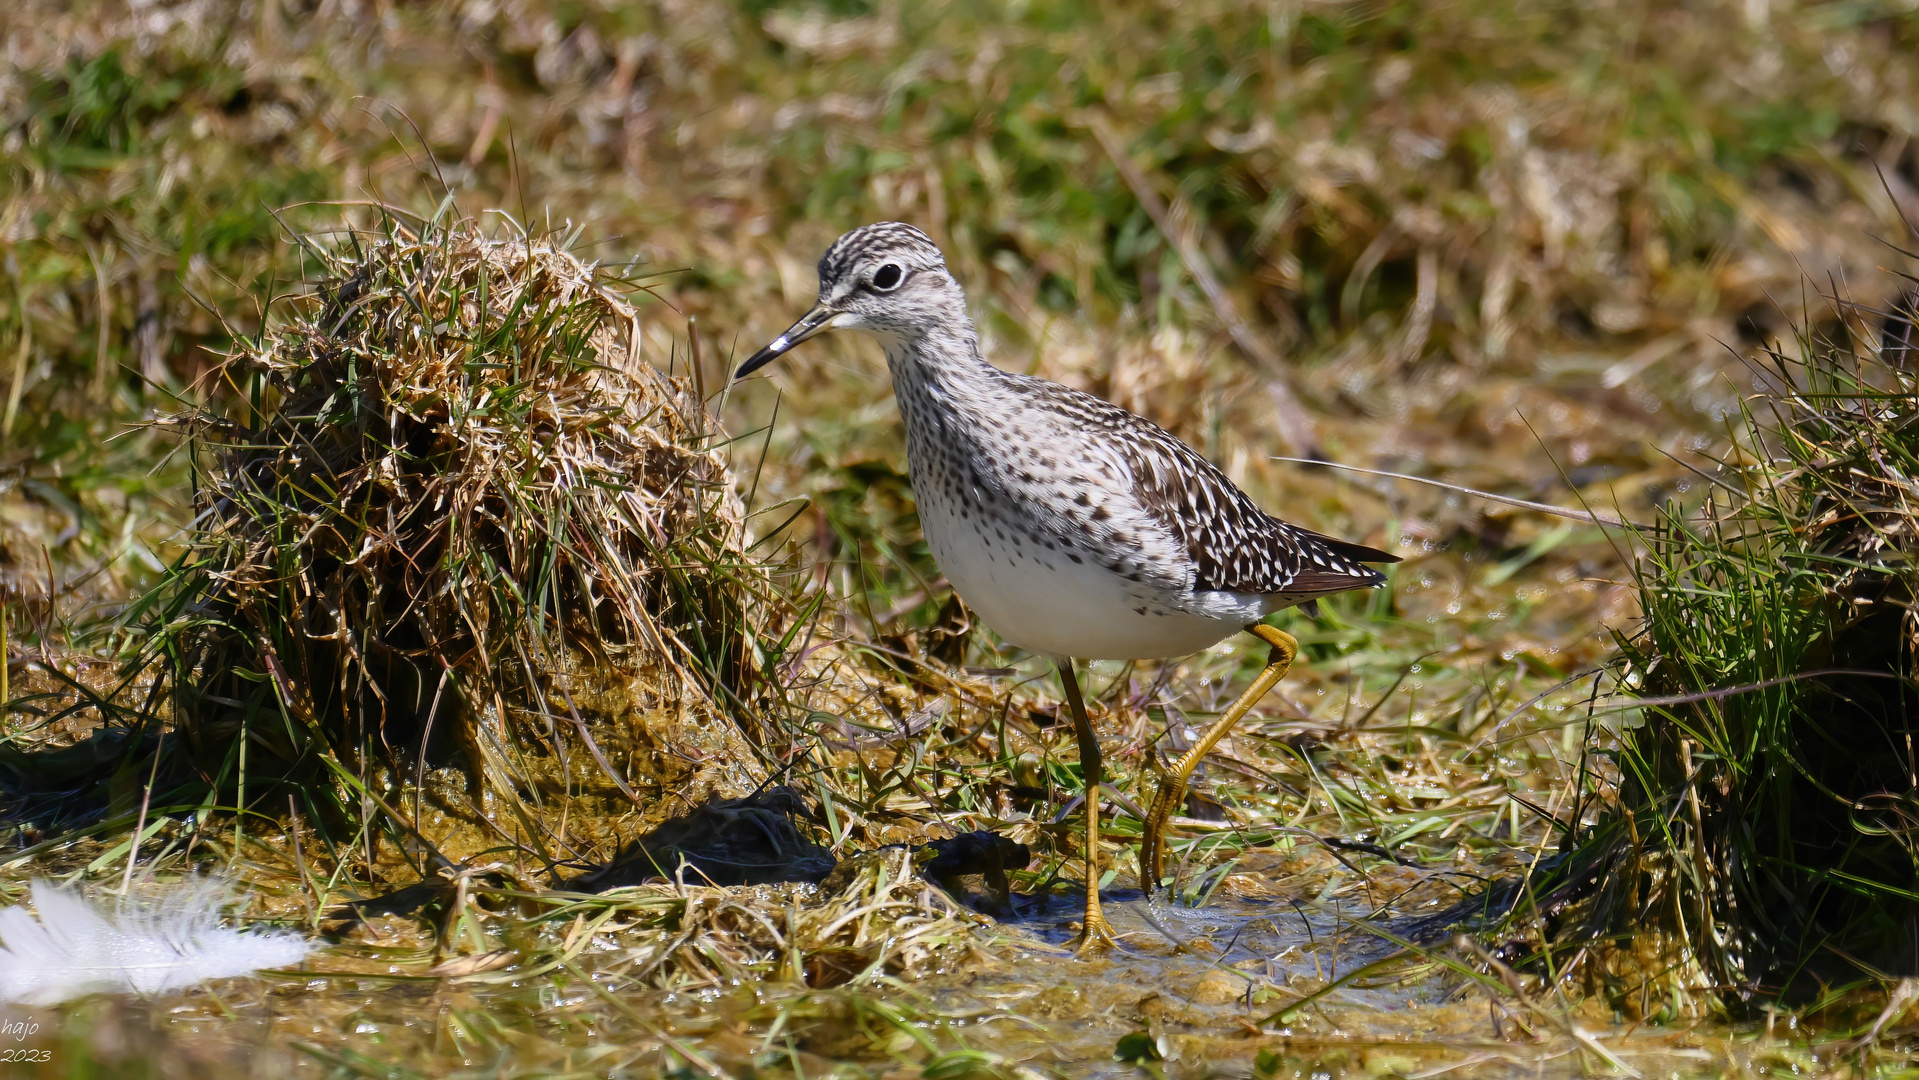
(944,356)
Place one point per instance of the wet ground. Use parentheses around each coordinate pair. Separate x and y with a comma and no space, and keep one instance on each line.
(1216,990)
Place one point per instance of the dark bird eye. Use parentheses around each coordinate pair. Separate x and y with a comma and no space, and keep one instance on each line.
(887,277)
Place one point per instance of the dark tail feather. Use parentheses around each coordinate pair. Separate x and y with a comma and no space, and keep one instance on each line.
(1347,550)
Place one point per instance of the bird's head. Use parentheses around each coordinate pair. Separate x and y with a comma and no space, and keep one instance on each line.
(888,279)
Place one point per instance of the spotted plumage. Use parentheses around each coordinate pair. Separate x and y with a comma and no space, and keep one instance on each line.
(1229,543)
(1073,527)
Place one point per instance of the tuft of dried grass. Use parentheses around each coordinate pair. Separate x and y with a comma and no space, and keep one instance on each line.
(449,516)
(876,917)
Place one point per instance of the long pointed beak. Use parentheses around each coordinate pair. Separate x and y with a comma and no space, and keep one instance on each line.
(812,323)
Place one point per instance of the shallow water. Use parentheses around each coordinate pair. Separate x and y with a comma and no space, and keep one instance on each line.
(1192,992)
(1199,981)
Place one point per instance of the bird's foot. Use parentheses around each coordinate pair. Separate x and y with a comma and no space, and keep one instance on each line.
(1095,936)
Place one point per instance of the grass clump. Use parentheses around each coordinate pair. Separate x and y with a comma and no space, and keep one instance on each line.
(874,918)
(449,516)
(1764,843)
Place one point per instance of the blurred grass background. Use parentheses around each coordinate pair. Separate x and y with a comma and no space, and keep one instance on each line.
(1439,213)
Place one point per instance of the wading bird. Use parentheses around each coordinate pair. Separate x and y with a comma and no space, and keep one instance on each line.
(1075,529)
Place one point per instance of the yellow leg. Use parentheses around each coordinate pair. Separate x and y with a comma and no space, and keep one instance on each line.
(1172,786)
(1095,932)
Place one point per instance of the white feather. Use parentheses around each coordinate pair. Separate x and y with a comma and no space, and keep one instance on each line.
(75,948)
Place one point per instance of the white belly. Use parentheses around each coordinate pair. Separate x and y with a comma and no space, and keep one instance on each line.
(1042,601)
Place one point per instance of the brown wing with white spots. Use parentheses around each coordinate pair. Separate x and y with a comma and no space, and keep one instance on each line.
(1233,544)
